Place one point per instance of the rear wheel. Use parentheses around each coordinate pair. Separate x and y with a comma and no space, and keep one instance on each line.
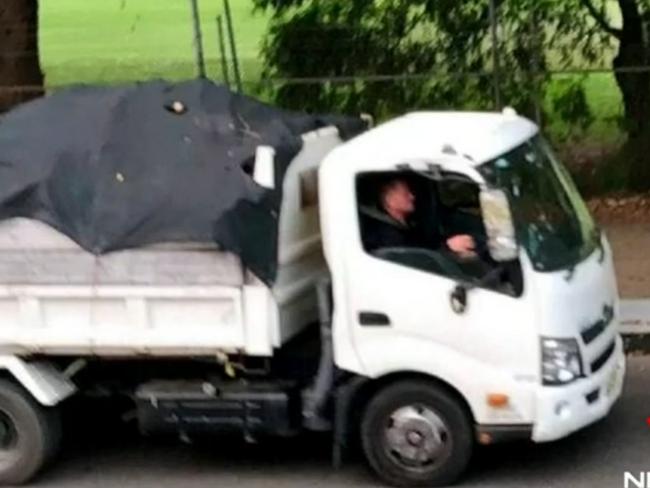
(416,434)
(29,434)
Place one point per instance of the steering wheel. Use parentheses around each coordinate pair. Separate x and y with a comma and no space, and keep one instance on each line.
(421,258)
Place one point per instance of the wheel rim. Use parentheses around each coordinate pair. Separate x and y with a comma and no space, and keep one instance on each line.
(417,438)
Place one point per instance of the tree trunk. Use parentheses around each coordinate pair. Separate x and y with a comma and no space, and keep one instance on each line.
(635,89)
(21,78)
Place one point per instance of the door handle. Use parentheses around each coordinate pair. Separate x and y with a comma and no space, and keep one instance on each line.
(458,299)
(374,319)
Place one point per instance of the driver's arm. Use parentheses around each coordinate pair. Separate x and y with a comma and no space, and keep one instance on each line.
(463,244)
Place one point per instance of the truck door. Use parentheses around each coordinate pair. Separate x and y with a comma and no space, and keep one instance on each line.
(414,305)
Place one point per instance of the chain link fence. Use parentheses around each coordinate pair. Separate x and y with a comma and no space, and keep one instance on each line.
(120,41)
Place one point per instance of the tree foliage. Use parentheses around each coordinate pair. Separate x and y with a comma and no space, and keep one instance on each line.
(441,49)
(20,74)
(442,55)
(633,38)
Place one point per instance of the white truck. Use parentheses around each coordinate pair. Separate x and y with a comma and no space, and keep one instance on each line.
(414,351)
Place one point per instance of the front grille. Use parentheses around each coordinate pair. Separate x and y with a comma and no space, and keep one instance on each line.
(593,331)
(602,359)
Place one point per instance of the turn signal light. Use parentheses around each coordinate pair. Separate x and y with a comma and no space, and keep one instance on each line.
(497,400)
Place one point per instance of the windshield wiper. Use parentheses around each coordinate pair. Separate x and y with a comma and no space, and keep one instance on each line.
(597,234)
(570,272)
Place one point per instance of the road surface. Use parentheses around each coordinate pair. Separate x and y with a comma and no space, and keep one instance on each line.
(596,457)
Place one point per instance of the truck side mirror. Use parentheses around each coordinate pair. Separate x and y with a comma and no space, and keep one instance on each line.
(264,172)
(499,225)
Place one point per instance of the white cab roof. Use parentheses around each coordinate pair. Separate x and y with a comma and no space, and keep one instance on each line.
(480,136)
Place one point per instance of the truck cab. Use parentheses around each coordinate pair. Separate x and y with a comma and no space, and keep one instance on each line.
(522,338)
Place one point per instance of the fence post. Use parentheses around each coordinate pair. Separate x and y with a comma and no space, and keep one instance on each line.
(233,46)
(198,38)
(496,68)
(222,52)
(535,66)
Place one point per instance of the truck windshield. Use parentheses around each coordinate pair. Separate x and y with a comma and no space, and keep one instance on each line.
(552,221)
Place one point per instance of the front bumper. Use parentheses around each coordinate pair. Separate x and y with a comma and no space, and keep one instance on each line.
(564,410)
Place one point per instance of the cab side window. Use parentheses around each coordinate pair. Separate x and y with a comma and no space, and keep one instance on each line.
(409,219)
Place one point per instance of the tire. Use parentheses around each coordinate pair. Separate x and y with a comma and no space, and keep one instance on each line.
(416,434)
(54,434)
(29,434)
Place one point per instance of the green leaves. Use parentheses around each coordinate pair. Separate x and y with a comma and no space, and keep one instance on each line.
(388,56)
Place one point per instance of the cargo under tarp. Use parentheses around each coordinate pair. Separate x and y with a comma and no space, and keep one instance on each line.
(126,167)
(33,253)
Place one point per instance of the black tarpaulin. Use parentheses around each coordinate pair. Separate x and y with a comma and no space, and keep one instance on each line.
(117,168)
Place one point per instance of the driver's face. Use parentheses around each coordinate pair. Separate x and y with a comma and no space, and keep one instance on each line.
(399,198)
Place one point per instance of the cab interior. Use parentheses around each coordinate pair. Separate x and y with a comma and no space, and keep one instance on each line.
(445,205)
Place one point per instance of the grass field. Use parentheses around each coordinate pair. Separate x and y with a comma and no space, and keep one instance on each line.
(110,41)
(107,41)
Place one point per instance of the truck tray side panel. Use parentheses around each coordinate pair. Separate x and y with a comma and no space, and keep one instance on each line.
(127,320)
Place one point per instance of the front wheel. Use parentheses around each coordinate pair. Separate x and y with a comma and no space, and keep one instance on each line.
(416,434)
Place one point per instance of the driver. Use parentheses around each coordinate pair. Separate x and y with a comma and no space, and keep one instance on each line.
(392,226)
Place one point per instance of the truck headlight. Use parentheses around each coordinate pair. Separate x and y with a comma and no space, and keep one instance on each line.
(561,361)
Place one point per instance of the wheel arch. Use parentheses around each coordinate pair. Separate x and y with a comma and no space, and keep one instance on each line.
(42,380)
(373,386)
(358,391)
